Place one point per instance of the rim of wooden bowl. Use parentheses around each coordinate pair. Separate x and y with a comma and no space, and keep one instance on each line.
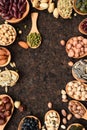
(77,124)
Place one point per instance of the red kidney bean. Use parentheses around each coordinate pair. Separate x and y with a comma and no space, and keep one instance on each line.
(16,14)
(19,15)
(22,7)
(2,115)
(1,3)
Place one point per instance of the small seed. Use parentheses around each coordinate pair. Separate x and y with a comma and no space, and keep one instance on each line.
(63,126)
(17,104)
(62,42)
(69,116)
(64,121)
(63,112)
(70,63)
(49,105)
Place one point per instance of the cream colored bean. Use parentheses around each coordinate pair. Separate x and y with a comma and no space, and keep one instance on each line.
(44,5)
(51,7)
(56,13)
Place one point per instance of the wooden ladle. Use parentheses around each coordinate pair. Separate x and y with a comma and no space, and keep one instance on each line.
(85,114)
(8,118)
(76,124)
(58,121)
(34,29)
(21,122)
(67,86)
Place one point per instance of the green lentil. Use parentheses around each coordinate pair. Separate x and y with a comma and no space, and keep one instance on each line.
(74,127)
(81,5)
(34,39)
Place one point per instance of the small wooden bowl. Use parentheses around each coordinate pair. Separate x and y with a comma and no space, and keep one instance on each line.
(14,20)
(21,122)
(85,54)
(9,57)
(15,34)
(39,7)
(80,29)
(76,124)
(76,10)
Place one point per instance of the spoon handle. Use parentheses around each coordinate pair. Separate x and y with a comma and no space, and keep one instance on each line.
(85,116)
(34,17)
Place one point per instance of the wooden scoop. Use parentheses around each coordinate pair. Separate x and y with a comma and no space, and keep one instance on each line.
(76,10)
(80,29)
(21,122)
(67,85)
(50,127)
(79,79)
(85,54)
(85,115)
(8,118)
(14,20)
(34,29)
(76,124)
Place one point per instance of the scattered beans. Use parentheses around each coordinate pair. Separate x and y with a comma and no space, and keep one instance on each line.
(17,104)
(62,42)
(49,105)
(64,121)
(63,112)
(76,47)
(70,63)
(21,108)
(12,8)
(51,7)
(7,34)
(5,109)
(56,13)
(76,108)
(69,116)
(63,126)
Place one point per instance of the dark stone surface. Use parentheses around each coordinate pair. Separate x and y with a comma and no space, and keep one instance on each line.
(43,71)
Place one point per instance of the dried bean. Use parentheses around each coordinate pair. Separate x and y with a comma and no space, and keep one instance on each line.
(63,112)
(2,121)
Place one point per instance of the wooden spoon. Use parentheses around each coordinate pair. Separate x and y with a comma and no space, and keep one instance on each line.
(80,27)
(14,20)
(76,10)
(34,29)
(8,59)
(74,81)
(85,115)
(21,122)
(8,118)
(68,42)
(76,124)
(49,127)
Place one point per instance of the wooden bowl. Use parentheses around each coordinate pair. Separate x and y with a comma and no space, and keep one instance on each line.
(39,7)
(76,10)
(21,122)
(76,124)
(8,118)
(81,56)
(14,20)
(80,28)
(9,57)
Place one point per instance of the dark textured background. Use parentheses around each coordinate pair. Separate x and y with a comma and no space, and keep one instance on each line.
(43,71)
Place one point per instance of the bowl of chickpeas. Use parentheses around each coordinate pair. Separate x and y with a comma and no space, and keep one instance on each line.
(7,34)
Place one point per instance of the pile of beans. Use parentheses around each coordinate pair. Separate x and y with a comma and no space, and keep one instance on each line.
(77,90)
(52,120)
(5,109)
(12,8)
(76,47)
(7,34)
(4,55)
(30,124)
(76,108)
